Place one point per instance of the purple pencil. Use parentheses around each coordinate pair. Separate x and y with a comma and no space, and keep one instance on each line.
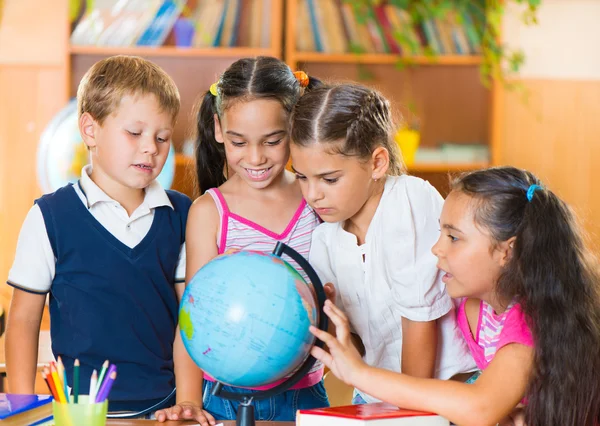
(106,385)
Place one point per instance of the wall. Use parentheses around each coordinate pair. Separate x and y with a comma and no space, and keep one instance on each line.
(554,133)
(33,88)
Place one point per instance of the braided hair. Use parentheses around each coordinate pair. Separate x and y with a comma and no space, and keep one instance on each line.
(354,119)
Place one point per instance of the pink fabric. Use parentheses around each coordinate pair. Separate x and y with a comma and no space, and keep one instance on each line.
(307,381)
(239,233)
(514,329)
(226,215)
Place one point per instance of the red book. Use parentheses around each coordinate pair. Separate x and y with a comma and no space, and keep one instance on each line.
(378,414)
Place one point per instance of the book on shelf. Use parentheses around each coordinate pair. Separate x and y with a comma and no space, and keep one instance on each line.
(24,409)
(338,27)
(376,414)
(151,23)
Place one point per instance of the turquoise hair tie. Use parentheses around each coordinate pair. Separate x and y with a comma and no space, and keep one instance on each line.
(531,191)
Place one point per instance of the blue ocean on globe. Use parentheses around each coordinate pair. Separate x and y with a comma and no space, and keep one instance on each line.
(244,319)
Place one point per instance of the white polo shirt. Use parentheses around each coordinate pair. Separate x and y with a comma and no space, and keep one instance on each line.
(397,278)
(34,265)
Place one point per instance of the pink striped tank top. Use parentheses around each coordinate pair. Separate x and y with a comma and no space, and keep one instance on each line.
(494,331)
(239,233)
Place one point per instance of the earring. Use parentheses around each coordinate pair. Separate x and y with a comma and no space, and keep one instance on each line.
(374,178)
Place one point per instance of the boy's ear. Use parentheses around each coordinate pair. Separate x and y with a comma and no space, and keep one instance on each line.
(218,131)
(381,162)
(505,250)
(87,129)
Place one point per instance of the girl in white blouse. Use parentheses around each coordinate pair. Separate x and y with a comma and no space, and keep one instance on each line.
(380,225)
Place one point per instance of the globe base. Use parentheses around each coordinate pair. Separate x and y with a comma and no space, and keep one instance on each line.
(245,414)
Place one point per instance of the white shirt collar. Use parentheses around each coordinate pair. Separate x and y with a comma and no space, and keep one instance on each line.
(155,196)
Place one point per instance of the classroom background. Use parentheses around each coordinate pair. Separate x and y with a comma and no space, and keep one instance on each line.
(543,118)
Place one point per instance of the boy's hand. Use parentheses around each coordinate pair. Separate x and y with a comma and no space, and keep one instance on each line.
(185,411)
(343,358)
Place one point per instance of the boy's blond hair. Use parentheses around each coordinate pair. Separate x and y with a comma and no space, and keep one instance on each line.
(109,80)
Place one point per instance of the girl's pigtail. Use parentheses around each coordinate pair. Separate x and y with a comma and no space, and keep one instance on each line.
(210,154)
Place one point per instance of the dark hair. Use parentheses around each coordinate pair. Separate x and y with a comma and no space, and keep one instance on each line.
(555,279)
(246,79)
(357,115)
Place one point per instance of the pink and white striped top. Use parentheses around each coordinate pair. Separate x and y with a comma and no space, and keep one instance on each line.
(494,331)
(239,233)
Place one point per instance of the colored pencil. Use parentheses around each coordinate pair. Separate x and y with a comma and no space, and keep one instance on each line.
(60,392)
(62,374)
(101,375)
(48,378)
(93,384)
(107,385)
(76,381)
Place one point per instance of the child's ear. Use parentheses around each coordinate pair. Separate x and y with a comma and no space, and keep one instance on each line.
(505,250)
(218,131)
(87,129)
(381,162)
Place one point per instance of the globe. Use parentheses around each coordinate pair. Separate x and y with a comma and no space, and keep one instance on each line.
(62,154)
(244,318)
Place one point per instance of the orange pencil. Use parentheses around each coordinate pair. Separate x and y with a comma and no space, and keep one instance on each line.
(50,383)
(58,384)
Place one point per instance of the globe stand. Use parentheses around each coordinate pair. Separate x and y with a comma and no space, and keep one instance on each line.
(245,412)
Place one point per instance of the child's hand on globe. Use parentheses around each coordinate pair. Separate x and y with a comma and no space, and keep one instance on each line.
(330,291)
(343,358)
(185,411)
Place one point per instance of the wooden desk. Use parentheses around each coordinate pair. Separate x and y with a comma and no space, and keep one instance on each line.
(154,423)
(45,355)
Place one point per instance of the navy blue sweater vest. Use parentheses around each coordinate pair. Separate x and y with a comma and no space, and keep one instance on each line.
(109,301)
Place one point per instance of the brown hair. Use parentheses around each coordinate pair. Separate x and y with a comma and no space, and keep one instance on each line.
(358,116)
(107,81)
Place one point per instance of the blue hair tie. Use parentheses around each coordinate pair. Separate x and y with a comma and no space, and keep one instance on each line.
(531,191)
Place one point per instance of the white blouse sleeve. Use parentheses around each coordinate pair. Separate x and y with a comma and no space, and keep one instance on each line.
(34,264)
(418,292)
(180,270)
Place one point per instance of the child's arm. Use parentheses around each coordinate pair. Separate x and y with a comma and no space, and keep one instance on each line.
(22,335)
(201,247)
(489,400)
(419,347)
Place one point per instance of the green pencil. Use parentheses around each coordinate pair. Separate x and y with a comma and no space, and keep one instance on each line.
(76,381)
(101,376)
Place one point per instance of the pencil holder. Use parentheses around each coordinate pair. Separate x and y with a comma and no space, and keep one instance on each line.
(80,414)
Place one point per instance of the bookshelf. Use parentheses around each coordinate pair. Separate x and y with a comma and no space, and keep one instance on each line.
(445,90)
(193,70)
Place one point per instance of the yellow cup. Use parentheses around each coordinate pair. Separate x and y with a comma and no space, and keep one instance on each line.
(80,414)
(408,142)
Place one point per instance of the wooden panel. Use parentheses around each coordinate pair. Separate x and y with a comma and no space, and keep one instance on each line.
(451,100)
(555,135)
(34,32)
(30,97)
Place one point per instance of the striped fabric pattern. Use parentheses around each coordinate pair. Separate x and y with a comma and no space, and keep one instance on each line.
(239,233)
(490,329)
